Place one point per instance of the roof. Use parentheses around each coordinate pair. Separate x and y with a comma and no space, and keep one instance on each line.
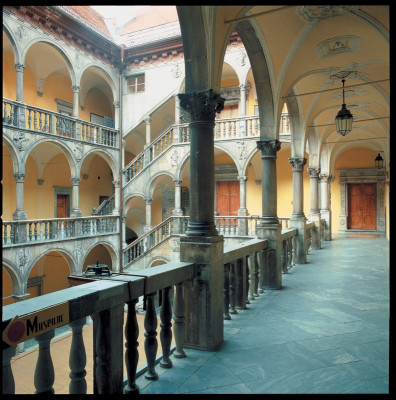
(89,14)
(149,17)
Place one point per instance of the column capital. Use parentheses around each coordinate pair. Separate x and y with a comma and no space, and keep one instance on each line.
(116,104)
(313,172)
(243,86)
(148,201)
(75,181)
(19,177)
(177,182)
(116,182)
(75,88)
(202,106)
(297,163)
(324,178)
(148,120)
(19,67)
(242,179)
(269,147)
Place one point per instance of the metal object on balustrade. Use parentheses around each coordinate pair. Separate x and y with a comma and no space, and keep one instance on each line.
(97,269)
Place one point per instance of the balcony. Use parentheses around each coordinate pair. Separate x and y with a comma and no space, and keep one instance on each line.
(325,331)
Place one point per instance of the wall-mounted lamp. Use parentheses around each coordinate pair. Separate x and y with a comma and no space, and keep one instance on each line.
(379,162)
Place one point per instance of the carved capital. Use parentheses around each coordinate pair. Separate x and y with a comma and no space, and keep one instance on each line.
(269,147)
(202,106)
(324,178)
(178,182)
(116,183)
(297,163)
(148,201)
(19,67)
(75,181)
(148,120)
(116,104)
(242,179)
(313,172)
(19,177)
(75,89)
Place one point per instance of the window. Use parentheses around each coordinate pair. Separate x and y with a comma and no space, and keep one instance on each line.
(105,121)
(135,84)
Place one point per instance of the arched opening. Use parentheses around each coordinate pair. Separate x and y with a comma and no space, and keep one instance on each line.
(98,254)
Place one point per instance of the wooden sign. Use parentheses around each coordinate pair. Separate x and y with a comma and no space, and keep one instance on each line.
(23,328)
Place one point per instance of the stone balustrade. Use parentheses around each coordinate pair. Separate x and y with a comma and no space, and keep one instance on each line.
(104,299)
(288,255)
(54,229)
(43,121)
(309,232)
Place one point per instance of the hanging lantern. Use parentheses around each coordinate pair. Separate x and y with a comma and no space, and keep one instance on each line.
(344,117)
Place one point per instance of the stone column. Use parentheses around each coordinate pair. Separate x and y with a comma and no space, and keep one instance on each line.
(116,208)
(19,213)
(75,212)
(314,213)
(177,119)
(270,227)
(148,215)
(297,219)
(243,225)
(148,121)
(123,232)
(76,90)
(202,245)
(20,114)
(242,109)
(178,210)
(116,105)
(325,212)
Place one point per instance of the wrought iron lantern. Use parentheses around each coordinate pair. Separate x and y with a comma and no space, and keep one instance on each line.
(344,117)
(379,162)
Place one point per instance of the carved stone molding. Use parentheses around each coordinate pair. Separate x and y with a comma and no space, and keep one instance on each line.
(269,147)
(202,106)
(19,67)
(75,88)
(313,172)
(324,178)
(19,177)
(175,158)
(318,13)
(178,182)
(242,151)
(79,150)
(242,179)
(148,120)
(297,163)
(19,139)
(75,181)
(337,45)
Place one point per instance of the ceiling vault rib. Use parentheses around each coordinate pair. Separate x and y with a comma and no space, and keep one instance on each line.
(357,140)
(255,15)
(337,88)
(360,120)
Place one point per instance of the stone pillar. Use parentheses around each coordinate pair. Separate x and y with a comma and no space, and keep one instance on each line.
(177,119)
(178,210)
(20,114)
(270,227)
(76,90)
(297,219)
(19,213)
(116,105)
(123,232)
(19,81)
(116,208)
(243,225)
(75,212)
(202,245)
(148,121)
(242,109)
(148,215)
(325,211)
(314,213)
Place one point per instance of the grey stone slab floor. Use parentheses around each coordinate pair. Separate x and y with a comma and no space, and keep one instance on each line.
(325,331)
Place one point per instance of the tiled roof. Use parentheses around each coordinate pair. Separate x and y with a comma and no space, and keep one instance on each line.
(151,16)
(90,15)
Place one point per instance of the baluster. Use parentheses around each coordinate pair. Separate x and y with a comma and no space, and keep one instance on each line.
(77,359)
(256,272)
(34,120)
(238,286)
(235,226)
(5,112)
(40,121)
(102,362)
(232,288)
(12,112)
(260,255)
(283,258)
(178,318)
(224,130)
(35,230)
(226,291)
(44,375)
(131,348)
(30,232)
(234,129)
(166,325)
(8,377)
(150,343)
(29,119)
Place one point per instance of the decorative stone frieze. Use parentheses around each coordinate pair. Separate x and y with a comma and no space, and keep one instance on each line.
(322,12)
(297,163)
(337,45)
(269,147)
(79,151)
(19,139)
(202,106)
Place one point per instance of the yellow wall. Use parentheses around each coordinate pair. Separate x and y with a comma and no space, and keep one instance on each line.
(97,103)
(357,157)
(56,271)
(252,103)
(9,76)
(9,187)
(7,288)
(254,193)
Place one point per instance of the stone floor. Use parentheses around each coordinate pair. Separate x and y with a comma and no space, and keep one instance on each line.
(326,331)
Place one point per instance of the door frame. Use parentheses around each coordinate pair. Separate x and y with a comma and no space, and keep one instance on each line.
(65,191)
(362,175)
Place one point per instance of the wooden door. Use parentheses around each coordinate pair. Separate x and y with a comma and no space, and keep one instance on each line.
(362,206)
(61,206)
(227,198)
